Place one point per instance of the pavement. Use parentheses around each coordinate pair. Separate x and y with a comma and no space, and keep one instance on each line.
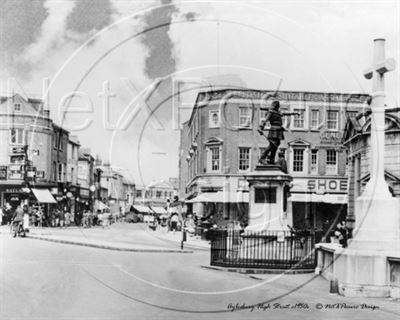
(49,280)
(119,236)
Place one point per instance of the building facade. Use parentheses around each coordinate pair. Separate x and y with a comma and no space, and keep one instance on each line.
(59,159)
(220,145)
(156,194)
(72,184)
(86,179)
(26,132)
(356,138)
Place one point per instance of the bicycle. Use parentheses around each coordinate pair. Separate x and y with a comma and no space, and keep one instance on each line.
(17,229)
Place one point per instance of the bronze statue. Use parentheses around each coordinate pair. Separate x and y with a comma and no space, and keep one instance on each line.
(275,134)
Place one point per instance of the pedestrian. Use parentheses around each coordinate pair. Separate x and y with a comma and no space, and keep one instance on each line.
(189,224)
(326,231)
(1,216)
(340,234)
(26,217)
(67,217)
(236,238)
(34,217)
(174,222)
(39,215)
(61,218)
(8,213)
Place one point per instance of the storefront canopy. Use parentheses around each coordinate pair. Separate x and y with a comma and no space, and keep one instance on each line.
(100,205)
(221,197)
(324,198)
(159,210)
(142,209)
(43,196)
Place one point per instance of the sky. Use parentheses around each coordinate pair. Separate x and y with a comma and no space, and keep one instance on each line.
(111,64)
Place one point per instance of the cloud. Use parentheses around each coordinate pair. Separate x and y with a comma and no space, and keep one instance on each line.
(90,15)
(52,31)
(160,60)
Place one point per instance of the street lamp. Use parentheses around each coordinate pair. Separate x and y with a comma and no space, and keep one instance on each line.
(92,189)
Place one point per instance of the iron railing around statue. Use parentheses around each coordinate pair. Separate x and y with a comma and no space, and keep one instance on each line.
(266,249)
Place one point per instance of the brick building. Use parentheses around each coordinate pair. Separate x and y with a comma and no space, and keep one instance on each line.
(220,144)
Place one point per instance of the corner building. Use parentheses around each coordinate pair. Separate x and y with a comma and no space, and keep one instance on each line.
(220,145)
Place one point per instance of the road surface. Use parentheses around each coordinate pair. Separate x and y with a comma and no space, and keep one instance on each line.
(44,280)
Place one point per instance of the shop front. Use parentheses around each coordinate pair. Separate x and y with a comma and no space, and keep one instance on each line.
(318,202)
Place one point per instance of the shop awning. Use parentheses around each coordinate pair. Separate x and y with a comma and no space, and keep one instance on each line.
(43,196)
(100,205)
(324,198)
(221,197)
(142,209)
(159,210)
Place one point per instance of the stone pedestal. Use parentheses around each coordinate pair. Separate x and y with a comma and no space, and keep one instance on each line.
(268,203)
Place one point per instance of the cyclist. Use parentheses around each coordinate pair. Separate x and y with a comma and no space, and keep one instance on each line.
(18,216)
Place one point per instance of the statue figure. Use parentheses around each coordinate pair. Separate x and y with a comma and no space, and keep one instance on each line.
(275,134)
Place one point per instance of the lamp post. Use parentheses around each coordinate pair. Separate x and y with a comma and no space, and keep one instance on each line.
(92,189)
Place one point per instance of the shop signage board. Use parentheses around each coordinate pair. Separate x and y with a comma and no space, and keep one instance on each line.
(320,185)
(17,150)
(40,174)
(329,185)
(15,167)
(3,172)
(15,175)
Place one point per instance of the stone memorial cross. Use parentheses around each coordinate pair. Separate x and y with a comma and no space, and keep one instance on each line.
(377,186)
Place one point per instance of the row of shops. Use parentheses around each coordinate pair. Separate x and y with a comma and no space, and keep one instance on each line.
(49,197)
(312,201)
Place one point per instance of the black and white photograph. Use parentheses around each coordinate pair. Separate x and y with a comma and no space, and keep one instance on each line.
(193,159)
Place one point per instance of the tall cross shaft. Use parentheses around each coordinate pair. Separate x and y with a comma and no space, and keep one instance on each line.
(377,186)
